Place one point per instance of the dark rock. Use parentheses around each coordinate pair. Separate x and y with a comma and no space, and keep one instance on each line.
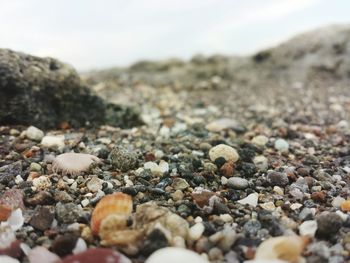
(277,178)
(42,217)
(328,224)
(46,92)
(154,241)
(10,171)
(64,244)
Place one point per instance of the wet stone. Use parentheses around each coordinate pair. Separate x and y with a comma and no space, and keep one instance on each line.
(154,241)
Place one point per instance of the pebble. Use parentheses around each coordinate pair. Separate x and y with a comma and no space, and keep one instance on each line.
(270,206)
(281,145)
(67,213)
(221,124)
(42,182)
(260,140)
(277,178)
(42,217)
(308,228)
(261,162)
(41,254)
(251,200)
(94,184)
(225,151)
(345,206)
(278,190)
(180,184)
(237,183)
(328,224)
(175,255)
(295,206)
(123,159)
(177,195)
(196,231)
(34,133)
(35,167)
(53,142)
(157,169)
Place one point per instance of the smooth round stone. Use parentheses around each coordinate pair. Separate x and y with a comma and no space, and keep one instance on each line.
(225,151)
(237,183)
(260,140)
(328,224)
(35,167)
(175,255)
(34,133)
(180,184)
(281,145)
(261,162)
(196,231)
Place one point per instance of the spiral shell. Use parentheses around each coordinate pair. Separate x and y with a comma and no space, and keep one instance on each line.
(112,212)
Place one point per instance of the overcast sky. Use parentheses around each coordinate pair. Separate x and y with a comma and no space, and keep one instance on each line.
(101,33)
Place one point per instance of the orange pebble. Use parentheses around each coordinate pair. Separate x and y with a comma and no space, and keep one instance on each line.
(345,206)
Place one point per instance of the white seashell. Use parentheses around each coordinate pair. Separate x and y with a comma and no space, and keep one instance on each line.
(175,255)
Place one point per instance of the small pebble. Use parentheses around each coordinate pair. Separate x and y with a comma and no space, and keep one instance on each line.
(281,145)
(251,200)
(237,183)
(34,133)
(225,151)
(196,231)
(261,162)
(308,228)
(260,140)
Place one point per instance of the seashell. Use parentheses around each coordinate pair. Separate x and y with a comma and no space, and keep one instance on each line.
(100,255)
(175,255)
(73,163)
(288,248)
(115,209)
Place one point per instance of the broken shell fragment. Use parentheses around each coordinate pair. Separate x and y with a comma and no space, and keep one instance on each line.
(288,248)
(115,209)
(73,163)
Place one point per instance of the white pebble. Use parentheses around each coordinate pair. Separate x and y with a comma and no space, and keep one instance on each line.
(308,228)
(225,151)
(34,133)
(251,200)
(337,201)
(261,162)
(53,142)
(80,246)
(94,184)
(85,202)
(196,231)
(260,140)
(7,259)
(281,145)
(226,218)
(18,179)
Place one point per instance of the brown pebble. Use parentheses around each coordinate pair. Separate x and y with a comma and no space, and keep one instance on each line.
(94,255)
(41,198)
(149,157)
(202,199)
(319,196)
(64,244)
(42,218)
(227,169)
(5,212)
(12,198)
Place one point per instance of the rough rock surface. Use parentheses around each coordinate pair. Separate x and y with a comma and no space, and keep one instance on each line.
(45,92)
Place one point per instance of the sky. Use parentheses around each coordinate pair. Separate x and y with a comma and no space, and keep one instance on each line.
(97,34)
